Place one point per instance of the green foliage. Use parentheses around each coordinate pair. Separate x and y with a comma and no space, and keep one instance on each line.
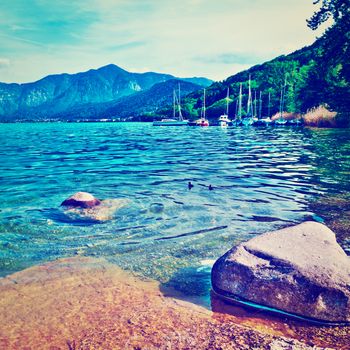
(333,57)
(267,78)
(337,9)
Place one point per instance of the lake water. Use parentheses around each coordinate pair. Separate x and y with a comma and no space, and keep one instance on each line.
(263,178)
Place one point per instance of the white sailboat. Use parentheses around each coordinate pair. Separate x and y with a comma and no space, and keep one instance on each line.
(175,121)
(248,118)
(263,121)
(266,120)
(255,110)
(238,118)
(202,121)
(224,120)
(281,120)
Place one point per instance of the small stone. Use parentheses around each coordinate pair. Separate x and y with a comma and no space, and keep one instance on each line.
(156,208)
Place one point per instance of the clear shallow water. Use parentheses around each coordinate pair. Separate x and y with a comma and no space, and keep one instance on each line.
(264,178)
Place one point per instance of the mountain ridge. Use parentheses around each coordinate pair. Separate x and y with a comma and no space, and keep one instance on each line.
(55,94)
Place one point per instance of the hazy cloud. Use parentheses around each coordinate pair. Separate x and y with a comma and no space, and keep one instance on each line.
(232,58)
(4,62)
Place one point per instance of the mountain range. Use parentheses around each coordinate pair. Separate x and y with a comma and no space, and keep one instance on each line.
(90,94)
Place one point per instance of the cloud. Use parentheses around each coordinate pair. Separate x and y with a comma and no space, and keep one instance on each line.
(125,46)
(4,62)
(231,58)
(185,38)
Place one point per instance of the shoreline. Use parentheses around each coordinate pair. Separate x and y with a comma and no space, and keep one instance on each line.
(83,303)
(308,126)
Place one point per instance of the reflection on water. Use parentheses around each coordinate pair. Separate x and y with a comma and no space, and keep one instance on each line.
(263,178)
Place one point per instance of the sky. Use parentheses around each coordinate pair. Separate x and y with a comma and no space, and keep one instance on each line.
(210,38)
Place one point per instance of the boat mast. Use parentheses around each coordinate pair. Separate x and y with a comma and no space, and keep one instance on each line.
(227,98)
(283,91)
(174,101)
(260,105)
(180,113)
(240,102)
(203,108)
(250,102)
(255,109)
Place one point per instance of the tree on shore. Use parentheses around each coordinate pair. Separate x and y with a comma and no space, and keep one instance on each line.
(333,57)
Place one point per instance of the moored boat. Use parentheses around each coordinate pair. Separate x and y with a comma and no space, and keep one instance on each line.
(247,119)
(224,120)
(179,121)
(202,121)
(170,122)
(263,121)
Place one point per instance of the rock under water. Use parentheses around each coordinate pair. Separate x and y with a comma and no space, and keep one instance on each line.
(300,270)
(81,200)
(83,206)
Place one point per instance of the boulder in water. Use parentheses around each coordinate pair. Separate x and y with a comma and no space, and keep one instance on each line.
(301,270)
(81,200)
(84,206)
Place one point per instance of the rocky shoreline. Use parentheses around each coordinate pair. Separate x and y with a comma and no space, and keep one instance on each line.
(86,303)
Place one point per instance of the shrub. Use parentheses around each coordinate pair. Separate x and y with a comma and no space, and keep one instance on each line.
(320,117)
(286,116)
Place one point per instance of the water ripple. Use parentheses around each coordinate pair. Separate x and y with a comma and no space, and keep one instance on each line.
(263,179)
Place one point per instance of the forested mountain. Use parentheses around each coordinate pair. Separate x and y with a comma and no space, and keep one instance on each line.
(315,75)
(267,78)
(143,105)
(57,94)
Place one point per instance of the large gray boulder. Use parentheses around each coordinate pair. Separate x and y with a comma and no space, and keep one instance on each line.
(300,270)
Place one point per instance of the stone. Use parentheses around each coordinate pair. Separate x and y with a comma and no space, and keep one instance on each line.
(83,206)
(301,270)
(156,208)
(81,200)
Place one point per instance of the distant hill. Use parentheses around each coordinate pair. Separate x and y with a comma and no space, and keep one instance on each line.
(143,105)
(56,95)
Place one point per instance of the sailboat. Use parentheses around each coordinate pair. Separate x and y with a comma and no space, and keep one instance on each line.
(202,121)
(223,119)
(281,120)
(266,120)
(179,121)
(248,118)
(238,118)
(255,110)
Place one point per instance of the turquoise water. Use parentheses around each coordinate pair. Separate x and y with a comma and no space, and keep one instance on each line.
(263,178)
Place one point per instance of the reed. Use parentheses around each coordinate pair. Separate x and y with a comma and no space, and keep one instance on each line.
(320,117)
(286,116)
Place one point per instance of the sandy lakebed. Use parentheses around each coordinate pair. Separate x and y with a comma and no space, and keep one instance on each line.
(88,303)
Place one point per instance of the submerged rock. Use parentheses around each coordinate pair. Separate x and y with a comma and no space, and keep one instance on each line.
(84,206)
(156,208)
(300,270)
(81,200)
